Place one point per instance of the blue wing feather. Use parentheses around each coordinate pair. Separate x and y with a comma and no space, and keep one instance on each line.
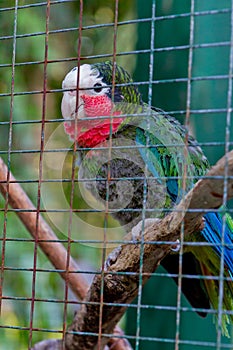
(150,156)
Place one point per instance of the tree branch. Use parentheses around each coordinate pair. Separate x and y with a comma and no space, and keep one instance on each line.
(118,285)
(40,230)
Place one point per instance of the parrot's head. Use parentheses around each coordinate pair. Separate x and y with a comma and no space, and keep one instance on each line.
(97,97)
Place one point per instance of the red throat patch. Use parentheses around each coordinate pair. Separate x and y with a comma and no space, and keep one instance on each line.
(89,133)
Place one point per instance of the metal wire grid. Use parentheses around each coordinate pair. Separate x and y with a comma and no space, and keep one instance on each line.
(43,121)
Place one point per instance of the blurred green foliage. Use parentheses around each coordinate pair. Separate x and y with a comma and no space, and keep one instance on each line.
(23,155)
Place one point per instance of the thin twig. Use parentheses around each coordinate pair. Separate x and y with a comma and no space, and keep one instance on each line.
(47,239)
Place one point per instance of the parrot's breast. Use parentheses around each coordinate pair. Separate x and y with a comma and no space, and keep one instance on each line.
(91,133)
(99,122)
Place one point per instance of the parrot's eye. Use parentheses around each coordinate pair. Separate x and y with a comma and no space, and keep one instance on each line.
(97,87)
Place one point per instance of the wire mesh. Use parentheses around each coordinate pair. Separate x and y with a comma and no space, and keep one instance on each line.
(181,62)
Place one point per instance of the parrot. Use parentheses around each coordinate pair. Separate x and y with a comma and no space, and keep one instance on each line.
(134,156)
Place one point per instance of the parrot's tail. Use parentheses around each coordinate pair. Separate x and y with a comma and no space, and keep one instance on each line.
(219,284)
(211,289)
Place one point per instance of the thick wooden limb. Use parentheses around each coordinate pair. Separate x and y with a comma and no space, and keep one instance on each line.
(121,288)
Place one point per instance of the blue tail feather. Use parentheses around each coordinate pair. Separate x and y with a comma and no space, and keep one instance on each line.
(213,233)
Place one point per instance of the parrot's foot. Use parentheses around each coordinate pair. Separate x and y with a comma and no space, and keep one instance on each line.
(112,258)
(137,230)
(176,247)
(202,226)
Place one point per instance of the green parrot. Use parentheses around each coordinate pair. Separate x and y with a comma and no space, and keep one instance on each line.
(133,158)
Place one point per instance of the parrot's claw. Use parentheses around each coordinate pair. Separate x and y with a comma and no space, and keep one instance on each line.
(111,259)
(176,246)
(202,226)
(137,230)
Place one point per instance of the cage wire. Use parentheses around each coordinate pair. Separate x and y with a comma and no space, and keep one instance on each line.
(180,55)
